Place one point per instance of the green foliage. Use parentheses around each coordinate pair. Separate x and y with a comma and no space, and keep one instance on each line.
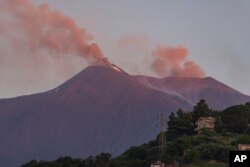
(189,149)
(101,160)
(218,124)
(178,146)
(241,139)
(192,156)
(214,151)
(206,164)
(153,143)
(32,163)
(236,118)
(201,110)
(207,132)
(179,124)
(136,153)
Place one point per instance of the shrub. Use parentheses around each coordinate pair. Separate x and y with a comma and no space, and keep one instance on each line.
(213,151)
(192,156)
(136,153)
(242,139)
(207,132)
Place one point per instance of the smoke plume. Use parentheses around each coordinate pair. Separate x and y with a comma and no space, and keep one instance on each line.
(39,27)
(173,62)
(40,48)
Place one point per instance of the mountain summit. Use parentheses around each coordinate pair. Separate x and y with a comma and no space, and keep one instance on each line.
(101,109)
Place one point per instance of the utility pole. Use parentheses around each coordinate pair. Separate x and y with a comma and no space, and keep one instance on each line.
(162,137)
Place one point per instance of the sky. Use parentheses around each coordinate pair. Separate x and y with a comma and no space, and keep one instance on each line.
(216,34)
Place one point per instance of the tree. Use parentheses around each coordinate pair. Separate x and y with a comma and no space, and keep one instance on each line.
(179,124)
(207,132)
(90,161)
(201,109)
(218,124)
(136,153)
(192,155)
(236,118)
(102,160)
(32,163)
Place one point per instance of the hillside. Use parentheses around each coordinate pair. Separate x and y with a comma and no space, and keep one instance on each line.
(206,149)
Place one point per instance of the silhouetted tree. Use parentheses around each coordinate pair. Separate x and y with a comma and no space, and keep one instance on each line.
(201,109)
(179,124)
(136,153)
(236,118)
(102,160)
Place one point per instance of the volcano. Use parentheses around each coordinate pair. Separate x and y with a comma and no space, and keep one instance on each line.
(101,109)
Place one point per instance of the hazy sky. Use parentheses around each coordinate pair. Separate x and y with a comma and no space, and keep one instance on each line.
(216,32)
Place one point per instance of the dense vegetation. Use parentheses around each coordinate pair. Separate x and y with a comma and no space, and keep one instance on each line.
(183,144)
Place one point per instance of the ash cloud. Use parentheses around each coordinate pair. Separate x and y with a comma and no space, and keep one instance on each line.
(171,61)
(162,60)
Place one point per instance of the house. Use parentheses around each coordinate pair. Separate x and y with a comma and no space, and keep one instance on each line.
(158,164)
(205,122)
(244,147)
(161,164)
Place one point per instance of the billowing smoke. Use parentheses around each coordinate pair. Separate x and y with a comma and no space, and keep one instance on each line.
(41,48)
(39,27)
(173,62)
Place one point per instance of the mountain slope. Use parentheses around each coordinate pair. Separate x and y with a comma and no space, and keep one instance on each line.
(101,109)
(217,94)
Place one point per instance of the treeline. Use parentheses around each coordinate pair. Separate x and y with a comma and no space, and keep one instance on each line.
(235,119)
(186,146)
(182,143)
(101,160)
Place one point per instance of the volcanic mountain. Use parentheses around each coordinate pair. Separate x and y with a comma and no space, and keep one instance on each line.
(101,109)
(217,94)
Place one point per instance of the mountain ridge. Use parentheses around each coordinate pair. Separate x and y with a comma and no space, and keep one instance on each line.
(193,89)
(101,109)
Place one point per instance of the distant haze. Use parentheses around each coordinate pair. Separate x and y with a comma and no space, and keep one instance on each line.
(215,35)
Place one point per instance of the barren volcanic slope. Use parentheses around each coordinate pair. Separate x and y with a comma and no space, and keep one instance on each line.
(217,95)
(101,109)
